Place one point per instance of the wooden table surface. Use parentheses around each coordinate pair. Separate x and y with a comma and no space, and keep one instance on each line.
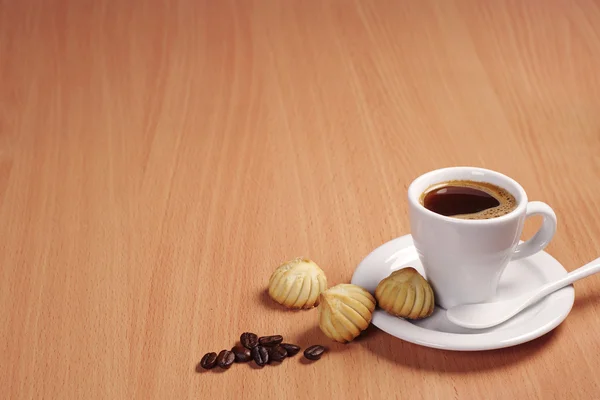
(158,160)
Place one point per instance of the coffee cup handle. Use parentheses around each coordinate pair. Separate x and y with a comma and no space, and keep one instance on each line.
(542,237)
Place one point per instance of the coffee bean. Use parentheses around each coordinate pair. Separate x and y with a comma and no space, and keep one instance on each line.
(277,353)
(314,352)
(241,354)
(291,349)
(249,340)
(270,340)
(225,359)
(209,360)
(260,355)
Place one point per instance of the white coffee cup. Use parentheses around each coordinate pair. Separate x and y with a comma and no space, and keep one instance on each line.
(464,258)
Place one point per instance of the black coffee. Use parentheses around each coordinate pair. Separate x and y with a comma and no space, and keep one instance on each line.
(277,353)
(249,340)
(314,352)
(209,360)
(270,340)
(225,359)
(260,355)
(241,354)
(291,349)
(468,200)
(263,350)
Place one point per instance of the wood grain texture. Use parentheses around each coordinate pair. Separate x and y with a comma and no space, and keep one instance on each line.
(158,159)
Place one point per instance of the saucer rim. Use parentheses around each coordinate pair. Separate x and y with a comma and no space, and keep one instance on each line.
(400,328)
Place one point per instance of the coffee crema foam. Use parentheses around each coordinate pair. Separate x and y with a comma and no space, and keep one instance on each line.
(507,202)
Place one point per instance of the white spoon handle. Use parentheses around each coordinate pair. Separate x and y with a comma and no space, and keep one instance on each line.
(588,269)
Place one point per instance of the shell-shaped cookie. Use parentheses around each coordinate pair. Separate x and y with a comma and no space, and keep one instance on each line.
(345,311)
(405,293)
(297,283)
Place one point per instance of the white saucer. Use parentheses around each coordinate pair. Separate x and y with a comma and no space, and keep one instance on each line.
(437,332)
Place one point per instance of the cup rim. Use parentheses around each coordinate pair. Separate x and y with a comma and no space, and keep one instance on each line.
(521,196)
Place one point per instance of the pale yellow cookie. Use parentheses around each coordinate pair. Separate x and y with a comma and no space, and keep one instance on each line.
(405,293)
(297,283)
(345,311)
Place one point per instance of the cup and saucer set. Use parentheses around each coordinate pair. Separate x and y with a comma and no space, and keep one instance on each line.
(470,260)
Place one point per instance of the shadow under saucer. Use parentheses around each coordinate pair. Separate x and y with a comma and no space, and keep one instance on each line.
(398,351)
